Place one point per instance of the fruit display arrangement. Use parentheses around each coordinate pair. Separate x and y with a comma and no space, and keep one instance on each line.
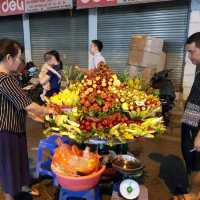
(106,108)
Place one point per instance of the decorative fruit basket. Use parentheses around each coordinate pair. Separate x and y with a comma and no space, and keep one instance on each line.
(105,109)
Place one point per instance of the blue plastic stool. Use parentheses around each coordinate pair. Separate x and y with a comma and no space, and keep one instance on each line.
(44,167)
(92,194)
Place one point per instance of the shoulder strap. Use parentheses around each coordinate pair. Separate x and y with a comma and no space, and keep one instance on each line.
(55,72)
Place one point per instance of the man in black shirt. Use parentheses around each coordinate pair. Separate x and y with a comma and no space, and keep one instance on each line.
(191,118)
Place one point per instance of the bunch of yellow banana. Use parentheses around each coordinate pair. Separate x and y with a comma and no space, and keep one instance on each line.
(119,132)
(74,114)
(147,129)
(136,83)
(63,126)
(68,97)
(76,87)
(155,124)
(144,114)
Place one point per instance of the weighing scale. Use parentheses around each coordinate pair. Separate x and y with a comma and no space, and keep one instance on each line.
(129,189)
(125,186)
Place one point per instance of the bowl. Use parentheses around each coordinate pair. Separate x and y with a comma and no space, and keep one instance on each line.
(127,164)
(79,183)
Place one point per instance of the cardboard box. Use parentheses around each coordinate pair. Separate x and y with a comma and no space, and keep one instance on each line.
(162,64)
(133,71)
(147,43)
(147,59)
(145,72)
(148,73)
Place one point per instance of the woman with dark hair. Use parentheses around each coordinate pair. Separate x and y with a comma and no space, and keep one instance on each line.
(14,104)
(49,76)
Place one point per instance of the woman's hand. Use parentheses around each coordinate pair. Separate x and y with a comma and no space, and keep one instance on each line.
(29,87)
(37,118)
(48,110)
(39,115)
(51,111)
(39,110)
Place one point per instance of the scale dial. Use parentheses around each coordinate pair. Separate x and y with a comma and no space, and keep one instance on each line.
(129,189)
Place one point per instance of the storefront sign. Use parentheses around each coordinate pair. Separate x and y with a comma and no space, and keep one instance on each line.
(95,3)
(121,2)
(104,3)
(12,7)
(46,5)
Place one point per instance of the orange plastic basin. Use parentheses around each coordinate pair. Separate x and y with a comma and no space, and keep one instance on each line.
(81,183)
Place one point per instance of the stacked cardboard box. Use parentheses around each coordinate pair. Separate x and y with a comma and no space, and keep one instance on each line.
(146,53)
